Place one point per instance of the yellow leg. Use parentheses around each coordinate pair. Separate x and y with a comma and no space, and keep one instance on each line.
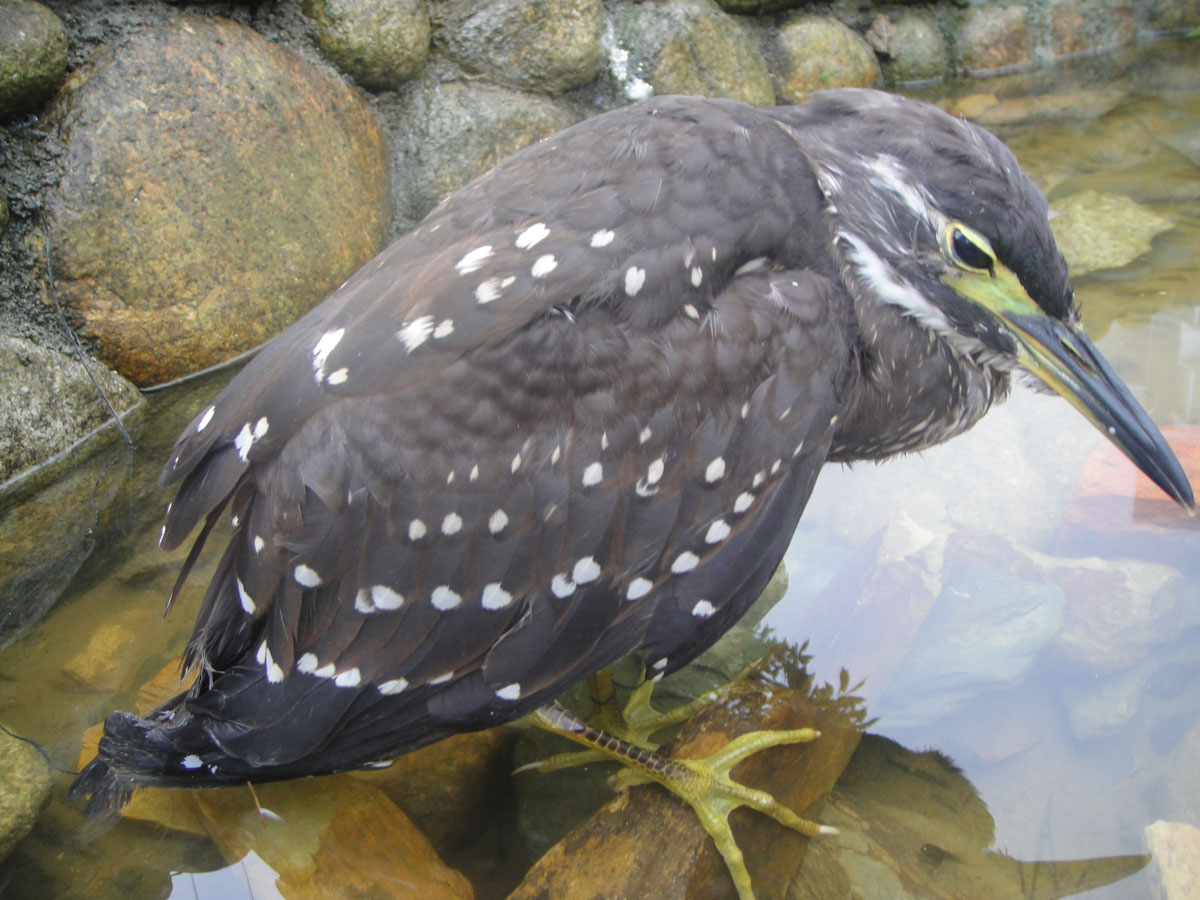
(705,784)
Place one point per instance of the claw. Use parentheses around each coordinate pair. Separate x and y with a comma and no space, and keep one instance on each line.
(705,784)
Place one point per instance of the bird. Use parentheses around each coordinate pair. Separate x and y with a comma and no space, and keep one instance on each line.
(576,414)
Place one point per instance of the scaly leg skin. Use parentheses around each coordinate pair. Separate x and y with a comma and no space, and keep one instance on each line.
(636,723)
(705,783)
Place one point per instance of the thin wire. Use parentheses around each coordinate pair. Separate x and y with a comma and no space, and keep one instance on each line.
(40,749)
(75,340)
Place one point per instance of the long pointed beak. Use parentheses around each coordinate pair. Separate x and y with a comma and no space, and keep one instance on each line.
(1061,355)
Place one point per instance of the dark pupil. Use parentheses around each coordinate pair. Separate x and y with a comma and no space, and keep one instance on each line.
(969,253)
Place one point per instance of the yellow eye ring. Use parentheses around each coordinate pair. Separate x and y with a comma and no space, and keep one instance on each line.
(968,249)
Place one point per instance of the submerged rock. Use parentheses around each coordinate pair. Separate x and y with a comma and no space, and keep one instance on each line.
(25,781)
(1103,231)
(48,402)
(106,663)
(1176,850)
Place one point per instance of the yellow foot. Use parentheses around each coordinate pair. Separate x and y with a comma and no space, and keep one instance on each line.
(704,783)
(636,723)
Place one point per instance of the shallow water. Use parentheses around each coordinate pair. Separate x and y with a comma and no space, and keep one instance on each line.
(1046,640)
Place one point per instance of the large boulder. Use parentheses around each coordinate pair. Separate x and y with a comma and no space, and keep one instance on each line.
(215,187)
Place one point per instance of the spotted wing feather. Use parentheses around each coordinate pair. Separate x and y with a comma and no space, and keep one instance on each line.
(475,475)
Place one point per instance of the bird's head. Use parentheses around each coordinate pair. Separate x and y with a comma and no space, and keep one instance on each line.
(933,215)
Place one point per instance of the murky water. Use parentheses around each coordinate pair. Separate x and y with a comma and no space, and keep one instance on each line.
(1044,636)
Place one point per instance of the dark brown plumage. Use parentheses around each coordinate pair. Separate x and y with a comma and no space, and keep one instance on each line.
(576,414)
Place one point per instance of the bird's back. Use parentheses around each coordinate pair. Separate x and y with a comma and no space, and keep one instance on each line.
(576,413)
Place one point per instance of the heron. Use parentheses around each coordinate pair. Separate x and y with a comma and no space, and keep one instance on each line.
(576,414)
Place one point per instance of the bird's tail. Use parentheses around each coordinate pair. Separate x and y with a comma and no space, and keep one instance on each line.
(168,748)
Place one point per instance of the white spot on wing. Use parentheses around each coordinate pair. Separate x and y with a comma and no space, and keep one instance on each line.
(394,686)
(444,598)
(753,265)
(445,328)
(593,474)
(495,596)
(307,577)
(274,673)
(638,588)
(191,761)
(602,238)
(543,266)
(452,524)
(497,521)
(349,678)
(474,260)
(383,597)
(715,470)
(634,279)
(703,609)
(562,586)
(509,692)
(307,663)
(417,530)
(413,334)
(532,236)
(247,600)
(586,570)
(338,376)
(685,562)
(697,276)
(259,543)
(743,502)
(205,419)
(717,532)
(322,348)
(491,288)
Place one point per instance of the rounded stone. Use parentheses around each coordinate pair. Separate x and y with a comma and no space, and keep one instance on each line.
(25,782)
(994,37)
(378,43)
(48,402)
(455,132)
(549,46)
(691,47)
(819,52)
(33,56)
(911,47)
(215,187)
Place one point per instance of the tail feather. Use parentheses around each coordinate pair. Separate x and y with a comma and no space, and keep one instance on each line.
(167,749)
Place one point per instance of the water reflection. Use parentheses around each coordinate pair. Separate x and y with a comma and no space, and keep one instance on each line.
(1014,599)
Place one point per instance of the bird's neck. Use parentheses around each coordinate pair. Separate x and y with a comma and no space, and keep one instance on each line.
(913,389)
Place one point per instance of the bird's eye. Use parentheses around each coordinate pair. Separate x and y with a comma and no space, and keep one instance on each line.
(970,251)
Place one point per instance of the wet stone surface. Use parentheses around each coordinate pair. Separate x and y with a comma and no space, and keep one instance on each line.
(187,139)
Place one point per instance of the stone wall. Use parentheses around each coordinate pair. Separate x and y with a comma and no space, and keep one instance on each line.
(185,179)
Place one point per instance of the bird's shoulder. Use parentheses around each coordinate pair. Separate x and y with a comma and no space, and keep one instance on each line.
(625,225)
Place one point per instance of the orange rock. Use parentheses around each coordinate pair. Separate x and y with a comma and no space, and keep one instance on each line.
(330,838)
(1119,512)
(447,787)
(647,843)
